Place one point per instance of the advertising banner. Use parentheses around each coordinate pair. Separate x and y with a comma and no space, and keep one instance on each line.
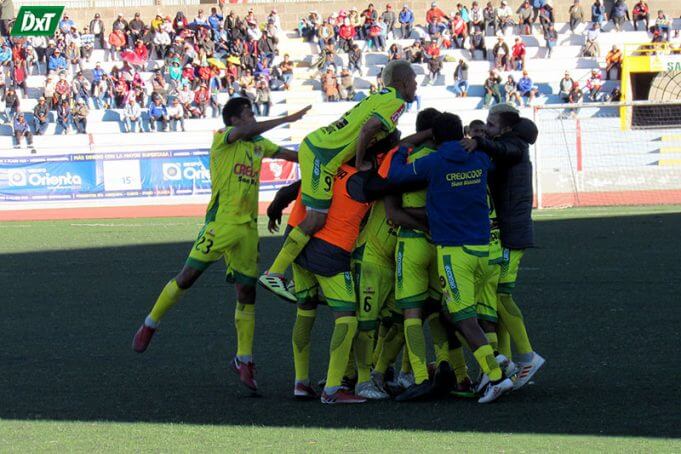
(121,175)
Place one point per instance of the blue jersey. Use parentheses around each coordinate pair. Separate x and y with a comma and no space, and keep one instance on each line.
(456,200)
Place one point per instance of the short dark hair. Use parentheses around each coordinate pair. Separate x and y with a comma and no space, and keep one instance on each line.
(426,118)
(447,127)
(477,123)
(233,108)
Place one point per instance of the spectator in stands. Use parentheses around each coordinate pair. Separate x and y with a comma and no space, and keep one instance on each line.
(576,97)
(81,88)
(41,117)
(72,54)
(613,62)
(527,89)
(518,53)
(641,12)
(286,68)
(490,18)
(565,87)
(158,113)
(477,19)
(263,98)
(21,129)
(19,76)
(434,17)
(132,116)
(377,35)
(325,33)
(492,87)
(501,52)
(176,115)
(663,24)
(598,15)
(370,16)
(414,53)
(201,101)
(274,24)
(591,47)
(551,38)
(594,84)
(65,24)
(63,116)
(346,87)
(330,86)
(406,19)
(537,5)
(120,23)
(11,105)
(504,17)
(434,61)
(511,95)
(80,113)
(525,18)
(97,29)
(546,18)
(135,29)
(389,18)
(461,79)
(619,14)
(459,31)
(576,14)
(161,42)
(56,62)
(117,42)
(346,33)
(355,59)
(186,96)
(477,42)
(395,52)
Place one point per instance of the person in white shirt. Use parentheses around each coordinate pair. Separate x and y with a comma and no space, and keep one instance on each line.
(132,115)
(176,114)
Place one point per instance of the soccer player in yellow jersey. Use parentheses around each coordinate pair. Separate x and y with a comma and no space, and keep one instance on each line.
(230,229)
(323,151)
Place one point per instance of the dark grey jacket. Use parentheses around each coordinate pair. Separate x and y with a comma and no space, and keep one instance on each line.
(511,183)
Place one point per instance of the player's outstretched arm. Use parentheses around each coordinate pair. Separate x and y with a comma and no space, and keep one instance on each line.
(255,129)
(372,127)
(286,154)
(402,172)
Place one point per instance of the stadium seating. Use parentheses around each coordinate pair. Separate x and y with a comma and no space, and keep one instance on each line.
(105,130)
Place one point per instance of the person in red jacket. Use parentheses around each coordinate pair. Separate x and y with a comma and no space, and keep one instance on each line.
(641,12)
(518,53)
(459,31)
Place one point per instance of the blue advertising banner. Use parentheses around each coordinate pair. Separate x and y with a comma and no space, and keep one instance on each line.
(116,175)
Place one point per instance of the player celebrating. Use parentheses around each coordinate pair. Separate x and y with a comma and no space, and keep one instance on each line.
(324,150)
(230,229)
(459,224)
(511,187)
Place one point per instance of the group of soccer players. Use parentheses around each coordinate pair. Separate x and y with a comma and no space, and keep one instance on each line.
(389,233)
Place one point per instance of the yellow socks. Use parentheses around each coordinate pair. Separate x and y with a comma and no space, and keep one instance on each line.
(380,338)
(406,365)
(392,345)
(458,362)
(295,242)
(416,346)
(512,318)
(244,322)
(170,295)
(504,340)
(364,345)
(341,342)
(302,331)
(485,357)
(439,335)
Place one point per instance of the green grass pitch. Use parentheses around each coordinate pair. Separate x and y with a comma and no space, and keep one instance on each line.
(600,295)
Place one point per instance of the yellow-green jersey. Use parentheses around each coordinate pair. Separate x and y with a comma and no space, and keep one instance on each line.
(235,177)
(338,141)
(495,249)
(416,199)
(379,235)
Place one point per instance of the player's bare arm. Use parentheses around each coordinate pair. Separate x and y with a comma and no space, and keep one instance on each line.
(397,215)
(372,127)
(247,129)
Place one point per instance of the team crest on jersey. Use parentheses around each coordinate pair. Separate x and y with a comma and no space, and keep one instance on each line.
(398,113)
(257,152)
(369,290)
(211,232)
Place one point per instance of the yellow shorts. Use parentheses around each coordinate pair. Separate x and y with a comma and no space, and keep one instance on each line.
(416,274)
(375,290)
(236,243)
(509,270)
(486,282)
(457,267)
(316,179)
(338,291)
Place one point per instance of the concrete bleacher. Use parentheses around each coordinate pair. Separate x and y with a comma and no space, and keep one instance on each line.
(105,131)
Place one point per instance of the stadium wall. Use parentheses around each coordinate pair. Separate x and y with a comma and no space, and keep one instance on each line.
(290,12)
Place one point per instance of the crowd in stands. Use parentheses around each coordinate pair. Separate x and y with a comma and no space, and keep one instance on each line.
(211,54)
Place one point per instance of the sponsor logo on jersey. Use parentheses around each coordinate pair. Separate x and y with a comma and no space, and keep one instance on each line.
(398,113)
(245,170)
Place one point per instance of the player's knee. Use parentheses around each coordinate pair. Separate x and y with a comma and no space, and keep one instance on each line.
(340,314)
(488,326)
(245,294)
(412,313)
(186,278)
(308,305)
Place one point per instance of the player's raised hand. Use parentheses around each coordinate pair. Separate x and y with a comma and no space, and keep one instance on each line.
(469,144)
(300,114)
(273,224)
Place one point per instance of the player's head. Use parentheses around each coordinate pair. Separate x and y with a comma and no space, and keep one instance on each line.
(477,129)
(447,127)
(237,111)
(501,119)
(401,76)
(426,118)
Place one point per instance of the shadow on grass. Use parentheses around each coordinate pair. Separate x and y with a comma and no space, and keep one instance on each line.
(600,297)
